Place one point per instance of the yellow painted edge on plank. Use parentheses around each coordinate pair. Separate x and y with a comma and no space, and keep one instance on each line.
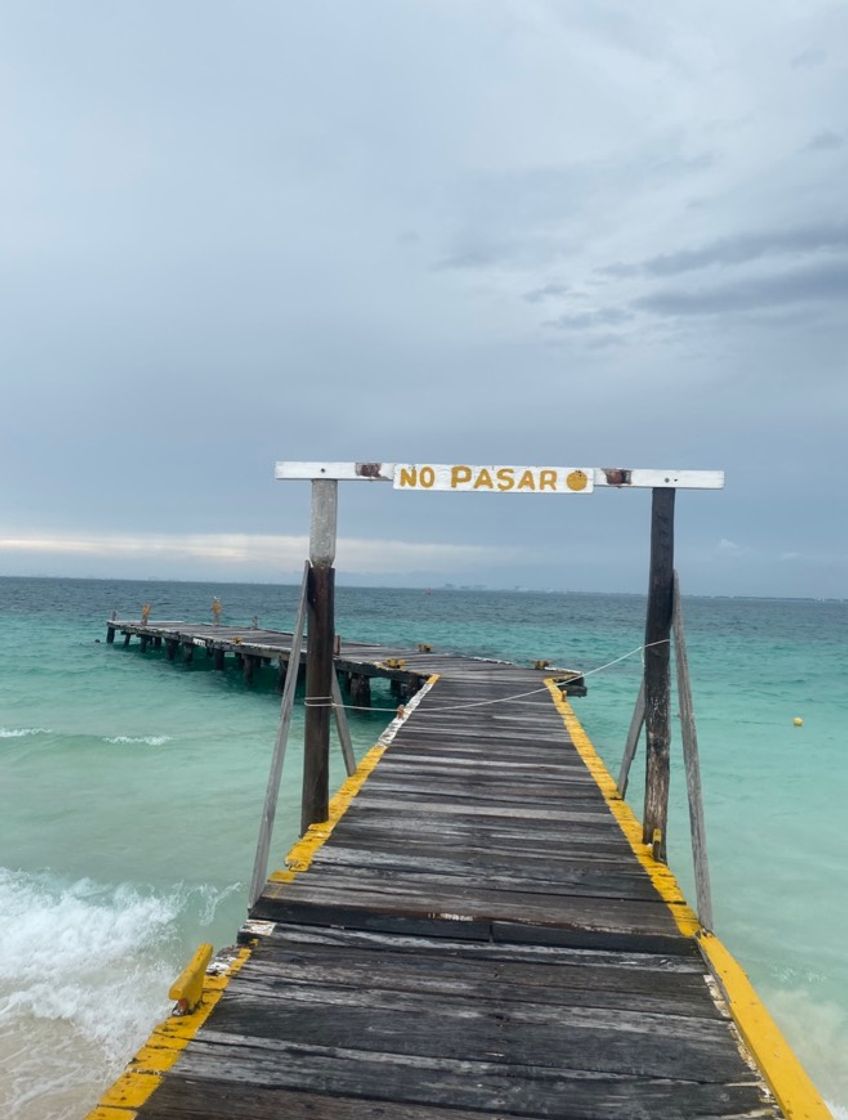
(302,853)
(788,1080)
(660,875)
(144,1073)
(786,1077)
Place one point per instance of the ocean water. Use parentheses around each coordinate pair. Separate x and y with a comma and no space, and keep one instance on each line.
(130,793)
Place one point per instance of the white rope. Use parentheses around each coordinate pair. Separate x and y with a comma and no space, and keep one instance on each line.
(327,701)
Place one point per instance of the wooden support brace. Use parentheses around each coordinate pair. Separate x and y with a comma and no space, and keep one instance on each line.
(689,734)
(637,722)
(343,728)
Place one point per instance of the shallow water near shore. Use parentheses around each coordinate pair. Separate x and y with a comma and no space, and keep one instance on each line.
(132,787)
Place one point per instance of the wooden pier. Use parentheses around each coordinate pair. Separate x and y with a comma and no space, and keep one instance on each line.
(477,930)
(476,925)
(250,648)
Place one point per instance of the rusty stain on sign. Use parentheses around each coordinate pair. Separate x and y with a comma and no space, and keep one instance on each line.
(617,476)
(369,470)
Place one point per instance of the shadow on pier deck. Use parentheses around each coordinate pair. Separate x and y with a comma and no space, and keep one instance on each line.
(476,931)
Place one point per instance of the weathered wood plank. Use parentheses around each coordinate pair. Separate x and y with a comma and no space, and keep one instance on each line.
(349,905)
(484,1085)
(178,1100)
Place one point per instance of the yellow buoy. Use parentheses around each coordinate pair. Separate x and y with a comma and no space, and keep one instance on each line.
(798,721)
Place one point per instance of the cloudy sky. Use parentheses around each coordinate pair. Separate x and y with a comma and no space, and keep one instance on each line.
(480,231)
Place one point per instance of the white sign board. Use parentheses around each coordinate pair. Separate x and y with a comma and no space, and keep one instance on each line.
(502,480)
(493,479)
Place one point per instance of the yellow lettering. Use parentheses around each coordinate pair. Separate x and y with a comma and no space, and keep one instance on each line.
(527,481)
(506,478)
(483,479)
(408,476)
(460,475)
(427,477)
(547,480)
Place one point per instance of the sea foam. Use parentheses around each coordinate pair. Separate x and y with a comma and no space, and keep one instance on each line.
(84,975)
(149,740)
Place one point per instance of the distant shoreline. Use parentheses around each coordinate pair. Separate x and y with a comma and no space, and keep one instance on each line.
(465,589)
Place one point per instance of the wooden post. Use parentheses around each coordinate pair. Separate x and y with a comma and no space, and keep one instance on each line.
(657,674)
(157,641)
(127,636)
(143,641)
(319,653)
(249,667)
(281,674)
(188,652)
(110,635)
(171,648)
(219,661)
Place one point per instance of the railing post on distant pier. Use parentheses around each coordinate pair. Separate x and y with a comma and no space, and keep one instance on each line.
(657,670)
(319,653)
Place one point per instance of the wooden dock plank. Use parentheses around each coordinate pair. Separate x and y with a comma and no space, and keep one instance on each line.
(349,1088)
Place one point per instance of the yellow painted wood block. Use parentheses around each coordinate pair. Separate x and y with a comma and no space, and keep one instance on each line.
(188,986)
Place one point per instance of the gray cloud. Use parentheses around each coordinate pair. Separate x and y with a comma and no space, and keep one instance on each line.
(586,320)
(812,56)
(824,141)
(539,212)
(818,284)
(479,256)
(739,249)
(547,291)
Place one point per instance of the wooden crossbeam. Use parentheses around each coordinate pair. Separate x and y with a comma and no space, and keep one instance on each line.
(462,477)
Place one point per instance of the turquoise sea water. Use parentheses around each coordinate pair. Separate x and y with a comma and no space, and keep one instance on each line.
(130,792)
